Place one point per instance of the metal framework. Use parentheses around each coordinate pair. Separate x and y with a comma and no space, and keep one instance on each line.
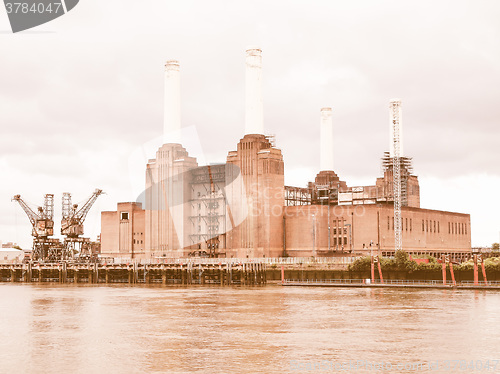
(211,179)
(44,247)
(406,170)
(72,226)
(395,111)
(297,196)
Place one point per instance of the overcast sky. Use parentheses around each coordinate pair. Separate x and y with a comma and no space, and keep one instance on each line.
(81,94)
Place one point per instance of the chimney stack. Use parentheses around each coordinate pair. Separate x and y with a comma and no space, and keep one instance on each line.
(172,103)
(254,120)
(395,112)
(326,133)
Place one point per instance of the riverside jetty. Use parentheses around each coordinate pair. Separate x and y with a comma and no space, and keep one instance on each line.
(222,273)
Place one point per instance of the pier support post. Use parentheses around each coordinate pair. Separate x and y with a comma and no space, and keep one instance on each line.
(372,269)
(130,272)
(452,275)
(163,276)
(90,274)
(12,275)
(75,275)
(484,270)
(29,273)
(476,275)
(443,263)
(380,272)
(65,272)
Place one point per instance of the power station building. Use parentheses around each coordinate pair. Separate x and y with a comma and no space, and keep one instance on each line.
(243,209)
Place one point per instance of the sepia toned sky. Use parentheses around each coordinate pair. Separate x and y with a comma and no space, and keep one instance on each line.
(81,94)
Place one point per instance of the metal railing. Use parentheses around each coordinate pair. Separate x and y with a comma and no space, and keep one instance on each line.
(408,282)
(257,260)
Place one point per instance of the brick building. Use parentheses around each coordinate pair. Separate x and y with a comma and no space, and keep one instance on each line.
(243,209)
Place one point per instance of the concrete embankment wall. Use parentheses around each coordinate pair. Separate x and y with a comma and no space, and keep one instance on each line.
(274,274)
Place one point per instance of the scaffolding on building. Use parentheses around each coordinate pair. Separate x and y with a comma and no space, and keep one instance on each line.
(208,208)
(405,171)
(295,196)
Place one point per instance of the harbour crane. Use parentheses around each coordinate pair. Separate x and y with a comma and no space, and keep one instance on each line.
(42,221)
(72,225)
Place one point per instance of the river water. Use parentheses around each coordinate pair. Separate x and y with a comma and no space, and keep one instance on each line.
(272,329)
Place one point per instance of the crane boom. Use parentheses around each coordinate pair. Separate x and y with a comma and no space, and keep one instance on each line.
(82,213)
(33,217)
(43,223)
(72,221)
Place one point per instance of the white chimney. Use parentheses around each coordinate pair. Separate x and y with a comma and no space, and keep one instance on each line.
(395,113)
(326,161)
(172,103)
(254,119)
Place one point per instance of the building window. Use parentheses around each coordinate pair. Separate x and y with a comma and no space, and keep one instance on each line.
(438,227)
(134,241)
(407,224)
(449,230)
(124,216)
(345,240)
(388,223)
(423,226)
(410,224)
(393,223)
(434,226)
(465,229)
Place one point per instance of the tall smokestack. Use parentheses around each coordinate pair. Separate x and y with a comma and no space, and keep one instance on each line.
(395,111)
(172,103)
(254,119)
(326,161)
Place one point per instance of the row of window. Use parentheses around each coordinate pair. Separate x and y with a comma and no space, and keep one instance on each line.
(137,241)
(407,225)
(430,226)
(334,231)
(457,228)
(340,241)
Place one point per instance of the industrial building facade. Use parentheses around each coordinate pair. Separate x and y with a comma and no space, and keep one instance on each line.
(243,209)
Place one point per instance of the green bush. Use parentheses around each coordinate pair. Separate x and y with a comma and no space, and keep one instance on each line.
(492,264)
(361,264)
